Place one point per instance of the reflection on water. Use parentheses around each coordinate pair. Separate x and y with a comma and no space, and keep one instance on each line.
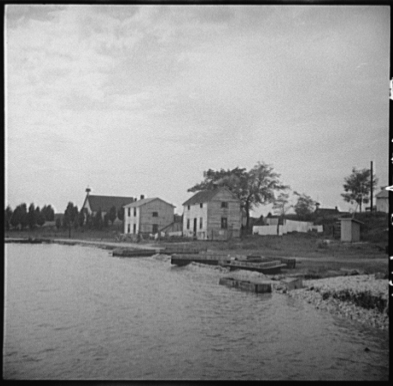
(78,313)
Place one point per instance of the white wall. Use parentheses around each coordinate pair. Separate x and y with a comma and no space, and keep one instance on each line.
(289,226)
(197,212)
(131,220)
(382,205)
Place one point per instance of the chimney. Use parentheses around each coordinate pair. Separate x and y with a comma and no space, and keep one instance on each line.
(142,196)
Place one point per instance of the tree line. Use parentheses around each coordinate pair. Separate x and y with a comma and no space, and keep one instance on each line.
(74,218)
(30,218)
(260,185)
(23,218)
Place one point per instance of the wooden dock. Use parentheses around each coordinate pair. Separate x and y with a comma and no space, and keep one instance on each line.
(270,267)
(246,285)
(180,250)
(121,252)
(203,258)
(289,262)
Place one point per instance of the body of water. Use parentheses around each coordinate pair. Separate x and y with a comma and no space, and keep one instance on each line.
(75,313)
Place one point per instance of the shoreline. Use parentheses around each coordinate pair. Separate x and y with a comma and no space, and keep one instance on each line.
(361,298)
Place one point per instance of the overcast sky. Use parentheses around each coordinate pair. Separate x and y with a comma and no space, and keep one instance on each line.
(132,100)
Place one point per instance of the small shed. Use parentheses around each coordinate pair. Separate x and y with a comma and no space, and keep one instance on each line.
(350,229)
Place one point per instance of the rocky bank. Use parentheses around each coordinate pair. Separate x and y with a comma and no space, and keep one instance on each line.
(363,298)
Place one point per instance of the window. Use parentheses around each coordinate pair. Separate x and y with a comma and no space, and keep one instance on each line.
(134,212)
(155,214)
(155,228)
(188,207)
(188,223)
(201,205)
(129,228)
(224,205)
(129,212)
(201,222)
(134,229)
(224,223)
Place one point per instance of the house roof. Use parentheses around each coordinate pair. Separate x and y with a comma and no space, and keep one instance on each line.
(204,196)
(351,219)
(382,194)
(327,210)
(106,202)
(144,201)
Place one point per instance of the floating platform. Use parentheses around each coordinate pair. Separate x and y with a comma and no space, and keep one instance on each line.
(182,251)
(119,252)
(267,267)
(246,285)
(290,262)
(203,258)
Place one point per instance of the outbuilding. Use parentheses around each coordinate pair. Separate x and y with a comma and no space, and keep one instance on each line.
(350,229)
(382,200)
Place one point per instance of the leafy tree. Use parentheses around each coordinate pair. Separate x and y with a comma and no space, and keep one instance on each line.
(120,214)
(281,206)
(112,214)
(305,206)
(48,212)
(358,186)
(89,221)
(15,219)
(106,220)
(40,219)
(252,188)
(97,220)
(70,217)
(19,216)
(7,217)
(32,217)
(75,217)
(81,217)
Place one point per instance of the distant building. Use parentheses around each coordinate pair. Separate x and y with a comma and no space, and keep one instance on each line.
(382,200)
(327,212)
(213,215)
(148,215)
(94,203)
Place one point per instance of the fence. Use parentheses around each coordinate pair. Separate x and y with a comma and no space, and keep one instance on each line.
(288,227)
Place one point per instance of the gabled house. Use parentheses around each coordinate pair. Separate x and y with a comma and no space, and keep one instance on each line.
(148,215)
(382,200)
(94,203)
(327,212)
(212,215)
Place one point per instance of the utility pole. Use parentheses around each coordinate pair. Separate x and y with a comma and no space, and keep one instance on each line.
(371,188)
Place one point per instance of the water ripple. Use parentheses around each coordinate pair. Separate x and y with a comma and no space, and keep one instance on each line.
(75,313)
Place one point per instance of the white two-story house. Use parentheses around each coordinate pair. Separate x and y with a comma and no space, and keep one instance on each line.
(147,216)
(212,215)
